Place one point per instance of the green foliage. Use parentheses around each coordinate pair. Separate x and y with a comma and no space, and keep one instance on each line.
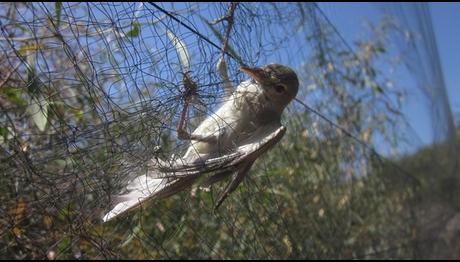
(13,95)
(58,11)
(135,30)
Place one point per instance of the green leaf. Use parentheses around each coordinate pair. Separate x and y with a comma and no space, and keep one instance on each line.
(6,133)
(135,30)
(63,246)
(78,115)
(181,50)
(13,95)
(376,88)
(3,134)
(64,213)
(38,111)
(58,10)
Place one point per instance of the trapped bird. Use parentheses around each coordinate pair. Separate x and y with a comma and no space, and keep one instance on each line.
(226,143)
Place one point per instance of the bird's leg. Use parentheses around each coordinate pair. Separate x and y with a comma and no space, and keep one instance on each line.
(190,93)
(182,134)
(190,89)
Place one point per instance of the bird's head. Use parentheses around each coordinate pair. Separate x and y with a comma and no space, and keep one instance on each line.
(279,83)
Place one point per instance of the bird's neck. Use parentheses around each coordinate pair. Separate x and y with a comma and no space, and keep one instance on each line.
(249,96)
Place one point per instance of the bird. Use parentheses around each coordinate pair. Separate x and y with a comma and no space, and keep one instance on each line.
(226,143)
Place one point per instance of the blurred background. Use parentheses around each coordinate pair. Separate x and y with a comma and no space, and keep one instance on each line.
(368,168)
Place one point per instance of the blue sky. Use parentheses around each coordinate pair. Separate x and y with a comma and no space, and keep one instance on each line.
(349,19)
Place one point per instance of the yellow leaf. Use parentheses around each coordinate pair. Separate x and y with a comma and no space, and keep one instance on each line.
(288,244)
(25,49)
(18,210)
(316,199)
(47,221)
(305,133)
(17,231)
(343,201)
(321,212)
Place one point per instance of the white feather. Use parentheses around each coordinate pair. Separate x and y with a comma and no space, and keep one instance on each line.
(140,189)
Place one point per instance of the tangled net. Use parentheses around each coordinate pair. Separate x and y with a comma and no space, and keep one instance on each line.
(91,92)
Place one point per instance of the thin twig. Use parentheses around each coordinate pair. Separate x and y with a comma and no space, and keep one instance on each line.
(222,66)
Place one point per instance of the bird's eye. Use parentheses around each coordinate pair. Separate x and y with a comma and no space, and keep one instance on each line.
(280,88)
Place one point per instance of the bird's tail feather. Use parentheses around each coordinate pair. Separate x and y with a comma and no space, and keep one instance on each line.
(139,190)
(144,188)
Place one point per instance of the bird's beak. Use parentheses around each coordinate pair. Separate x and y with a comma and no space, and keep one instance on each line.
(256,73)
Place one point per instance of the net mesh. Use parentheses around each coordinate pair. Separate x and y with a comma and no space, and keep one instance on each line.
(91,92)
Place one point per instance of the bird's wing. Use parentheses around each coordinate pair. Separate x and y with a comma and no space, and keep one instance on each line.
(263,139)
(139,190)
(169,179)
(236,180)
(164,180)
